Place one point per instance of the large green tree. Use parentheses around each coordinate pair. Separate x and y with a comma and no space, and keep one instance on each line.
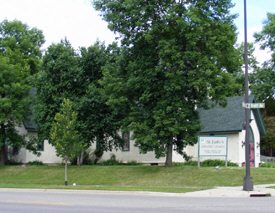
(58,79)
(263,80)
(74,75)
(98,121)
(20,57)
(176,55)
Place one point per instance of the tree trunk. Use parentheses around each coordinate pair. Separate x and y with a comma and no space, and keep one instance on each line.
(271,152)
(77,160)
(66,161)
(80,158)
(168,161)
(3,154)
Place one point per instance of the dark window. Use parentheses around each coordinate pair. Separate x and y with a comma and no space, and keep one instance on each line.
(41,146)
(126,137)
(15,151)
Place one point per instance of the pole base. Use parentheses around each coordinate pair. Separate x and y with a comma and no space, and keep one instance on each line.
(248,184)
(65,183)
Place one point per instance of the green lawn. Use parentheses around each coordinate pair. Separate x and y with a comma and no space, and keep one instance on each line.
(130,178)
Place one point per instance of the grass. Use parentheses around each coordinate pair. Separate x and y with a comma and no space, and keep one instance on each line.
(177,179)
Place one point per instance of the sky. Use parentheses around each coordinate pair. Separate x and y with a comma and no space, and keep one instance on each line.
(82,25)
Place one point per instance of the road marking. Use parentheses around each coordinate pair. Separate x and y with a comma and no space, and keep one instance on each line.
(57,204)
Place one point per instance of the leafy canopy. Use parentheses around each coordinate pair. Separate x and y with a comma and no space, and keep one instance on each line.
(20,57)
(71,74)
(175,55)
(64,136)
(264,79)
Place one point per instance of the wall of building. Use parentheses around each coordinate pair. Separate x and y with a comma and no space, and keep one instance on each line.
(132,154)
(236,151)
(256,133)
(48,155)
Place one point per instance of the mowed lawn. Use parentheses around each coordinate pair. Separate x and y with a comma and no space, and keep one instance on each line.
(135,178)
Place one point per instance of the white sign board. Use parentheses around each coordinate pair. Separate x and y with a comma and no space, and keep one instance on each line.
(212,146)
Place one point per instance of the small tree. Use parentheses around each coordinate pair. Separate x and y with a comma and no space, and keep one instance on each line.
(63,134)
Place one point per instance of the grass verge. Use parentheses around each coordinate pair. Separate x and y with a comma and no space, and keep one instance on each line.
(177,179)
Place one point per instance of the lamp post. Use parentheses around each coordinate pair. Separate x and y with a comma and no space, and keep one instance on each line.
(248,181)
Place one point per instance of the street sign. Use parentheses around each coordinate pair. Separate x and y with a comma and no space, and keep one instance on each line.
(253,105)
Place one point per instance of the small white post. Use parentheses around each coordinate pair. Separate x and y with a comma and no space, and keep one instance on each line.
(225,161)
(199,162)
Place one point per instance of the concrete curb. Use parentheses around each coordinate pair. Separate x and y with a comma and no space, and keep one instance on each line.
(237,191)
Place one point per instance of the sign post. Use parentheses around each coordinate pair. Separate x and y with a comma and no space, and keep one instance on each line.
(248,180)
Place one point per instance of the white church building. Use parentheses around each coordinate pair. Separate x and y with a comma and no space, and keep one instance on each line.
(217,121)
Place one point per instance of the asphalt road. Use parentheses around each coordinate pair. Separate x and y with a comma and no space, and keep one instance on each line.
(122,202)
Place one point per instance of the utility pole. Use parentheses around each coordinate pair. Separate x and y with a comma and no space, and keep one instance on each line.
(248,181)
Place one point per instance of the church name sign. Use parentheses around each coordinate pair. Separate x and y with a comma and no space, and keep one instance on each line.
(212,146)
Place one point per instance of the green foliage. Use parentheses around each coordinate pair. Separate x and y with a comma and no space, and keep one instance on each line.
(98,154)
(22,44)
(174,56)
(268,141)
(111,162)
(13,162)
(267,35)
(252,64)
(64,136)
(264,78)
(270,107)
(56,81)
(35,163)
(68,74)
(20,57)
(211,163)
(267,165)
(133,163)
(262,82)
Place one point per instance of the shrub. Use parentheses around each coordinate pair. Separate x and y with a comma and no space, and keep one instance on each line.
(36,162)
(111,162)
(211,163)
(133,163)
(13,162)
(268,165)
(98,154)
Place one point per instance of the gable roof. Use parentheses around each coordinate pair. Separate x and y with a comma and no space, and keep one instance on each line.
(229,119)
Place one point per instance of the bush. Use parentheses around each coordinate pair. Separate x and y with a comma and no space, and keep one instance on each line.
(111,162)
(36,162)
(133,163)
(267,165)
(13,162)
(98,154)
(211,163)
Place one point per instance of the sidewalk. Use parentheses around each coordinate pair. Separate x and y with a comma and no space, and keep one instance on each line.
(233,192)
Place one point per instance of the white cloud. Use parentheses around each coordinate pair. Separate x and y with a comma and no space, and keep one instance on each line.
(74,19)
(80,23)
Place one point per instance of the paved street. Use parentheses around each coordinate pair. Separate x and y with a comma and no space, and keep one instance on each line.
(24,200)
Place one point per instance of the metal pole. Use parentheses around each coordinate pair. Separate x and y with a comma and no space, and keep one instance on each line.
(248,181)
